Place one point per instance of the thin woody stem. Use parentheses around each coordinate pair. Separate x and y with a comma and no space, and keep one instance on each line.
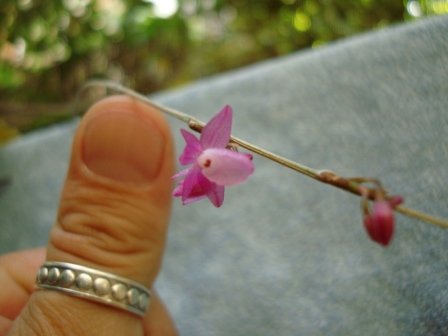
(120,88)
(422,216)
(324,176)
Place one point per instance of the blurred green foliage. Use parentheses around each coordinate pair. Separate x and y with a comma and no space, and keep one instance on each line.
(48,49)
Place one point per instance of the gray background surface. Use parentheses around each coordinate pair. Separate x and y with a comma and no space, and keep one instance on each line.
(286,255)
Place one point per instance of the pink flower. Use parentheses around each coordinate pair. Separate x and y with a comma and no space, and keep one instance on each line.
(214,166)
(380,223)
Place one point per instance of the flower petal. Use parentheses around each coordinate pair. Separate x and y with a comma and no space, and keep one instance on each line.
(194,198)
(181,173)
(216,196)
(192,150)
(225,167)
(196,195)
(214,192)
(216,133)
(191,182)
(177,192)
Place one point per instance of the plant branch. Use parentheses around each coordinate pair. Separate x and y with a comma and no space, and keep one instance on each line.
(351,185)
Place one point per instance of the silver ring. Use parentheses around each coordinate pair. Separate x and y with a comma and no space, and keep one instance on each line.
(94,285)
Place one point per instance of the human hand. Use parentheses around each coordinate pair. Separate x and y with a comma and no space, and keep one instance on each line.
(113,217)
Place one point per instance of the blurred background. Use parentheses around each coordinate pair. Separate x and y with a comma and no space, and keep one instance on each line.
(48,49)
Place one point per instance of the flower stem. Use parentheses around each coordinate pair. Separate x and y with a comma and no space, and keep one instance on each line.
(123,89)
(422,216)
(325,176)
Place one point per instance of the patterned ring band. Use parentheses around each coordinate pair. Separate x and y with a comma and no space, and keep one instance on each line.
(94,285)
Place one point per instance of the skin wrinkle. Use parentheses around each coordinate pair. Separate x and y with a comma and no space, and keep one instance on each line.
(111,259)
(101,233)
(111,200)
(87,194)
(127,244)
(133,232)
(66,311)
(117,231)
(101,236)
(36,315)
(85,250)
(114,261)
(94,216)
(77,246)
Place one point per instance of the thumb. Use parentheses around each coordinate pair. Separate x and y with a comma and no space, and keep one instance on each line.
(113,217)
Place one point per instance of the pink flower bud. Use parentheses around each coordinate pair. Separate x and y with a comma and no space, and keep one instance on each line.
(380,223)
